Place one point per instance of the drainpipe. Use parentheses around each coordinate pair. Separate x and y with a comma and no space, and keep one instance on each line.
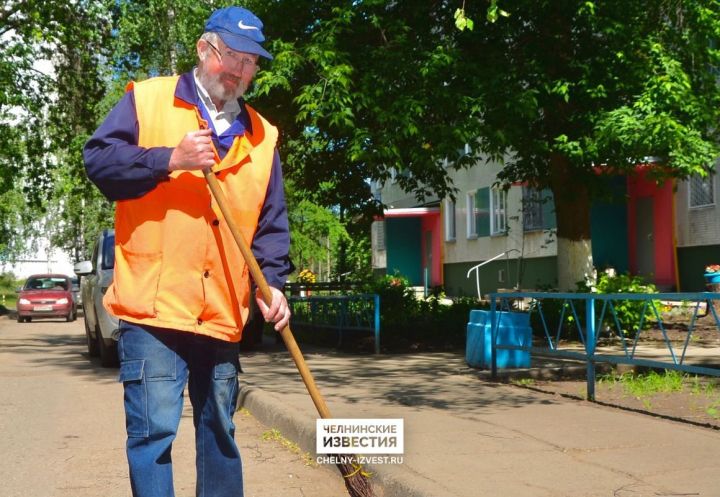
(676,269)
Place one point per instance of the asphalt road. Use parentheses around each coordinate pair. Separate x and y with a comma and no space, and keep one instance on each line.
(62,427)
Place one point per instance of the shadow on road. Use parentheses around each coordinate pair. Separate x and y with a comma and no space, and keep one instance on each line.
(54,344)
(437,380)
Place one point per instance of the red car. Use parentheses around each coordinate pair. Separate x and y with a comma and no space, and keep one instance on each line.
(46,296)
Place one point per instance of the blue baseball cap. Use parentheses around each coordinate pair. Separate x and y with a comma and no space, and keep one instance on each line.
(239,29)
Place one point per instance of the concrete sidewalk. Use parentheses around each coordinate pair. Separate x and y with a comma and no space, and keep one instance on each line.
(467,437)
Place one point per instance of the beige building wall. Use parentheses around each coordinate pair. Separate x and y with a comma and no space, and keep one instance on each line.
(469,249)
(464,248)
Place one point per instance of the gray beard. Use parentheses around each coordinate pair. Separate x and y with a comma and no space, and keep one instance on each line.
(217,91)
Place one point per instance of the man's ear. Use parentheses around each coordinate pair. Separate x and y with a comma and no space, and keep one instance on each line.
(201,52)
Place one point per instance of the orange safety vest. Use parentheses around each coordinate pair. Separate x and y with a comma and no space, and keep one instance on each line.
(176,263)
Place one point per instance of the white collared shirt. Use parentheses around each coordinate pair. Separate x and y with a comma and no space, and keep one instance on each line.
(222,119)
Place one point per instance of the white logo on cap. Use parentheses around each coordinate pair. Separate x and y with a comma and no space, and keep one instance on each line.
(241,25)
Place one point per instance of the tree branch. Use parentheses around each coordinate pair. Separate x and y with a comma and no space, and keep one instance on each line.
(7,13)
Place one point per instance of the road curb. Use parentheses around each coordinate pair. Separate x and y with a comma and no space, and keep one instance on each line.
(388,480)
(551,372)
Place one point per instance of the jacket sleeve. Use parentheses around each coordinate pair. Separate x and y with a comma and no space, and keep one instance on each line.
(271,244)
(116,164)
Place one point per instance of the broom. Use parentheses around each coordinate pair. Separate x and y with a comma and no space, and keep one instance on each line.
(354,476)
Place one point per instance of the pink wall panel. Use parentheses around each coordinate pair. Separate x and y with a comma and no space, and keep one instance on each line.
(638,187)
(431,223)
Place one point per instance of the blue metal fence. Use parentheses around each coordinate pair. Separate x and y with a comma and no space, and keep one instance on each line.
(598,307)
(357,312)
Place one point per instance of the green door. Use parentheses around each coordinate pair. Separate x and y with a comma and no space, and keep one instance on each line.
(403,242)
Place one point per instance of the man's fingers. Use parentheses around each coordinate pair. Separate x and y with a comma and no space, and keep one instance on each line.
(200,132)
(264,309)
(283,322)
(195,151)
(278,312)
(203,149)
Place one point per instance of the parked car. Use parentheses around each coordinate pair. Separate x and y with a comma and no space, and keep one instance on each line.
(101,329)
(76,291)
(46,296)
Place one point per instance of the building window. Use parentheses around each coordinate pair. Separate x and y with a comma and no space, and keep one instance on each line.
(379,234)
(471,216)
(538,209)
(702,191)
(498,202)
(532,209)
(450,221)
(478,213)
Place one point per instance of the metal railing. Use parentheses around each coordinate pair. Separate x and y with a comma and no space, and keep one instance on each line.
(630,350)
(321,287)
(477,267)
(357,312)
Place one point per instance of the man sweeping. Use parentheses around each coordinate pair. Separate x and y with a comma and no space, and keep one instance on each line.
(181,287)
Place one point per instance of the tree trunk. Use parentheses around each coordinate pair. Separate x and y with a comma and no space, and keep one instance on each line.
(172,39)
(572,211)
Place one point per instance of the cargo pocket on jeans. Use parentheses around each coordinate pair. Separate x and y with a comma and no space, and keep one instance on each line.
(132,378)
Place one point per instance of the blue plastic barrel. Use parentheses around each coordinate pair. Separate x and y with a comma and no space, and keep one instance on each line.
(513,329)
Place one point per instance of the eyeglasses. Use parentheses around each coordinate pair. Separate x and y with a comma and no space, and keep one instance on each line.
(234,60)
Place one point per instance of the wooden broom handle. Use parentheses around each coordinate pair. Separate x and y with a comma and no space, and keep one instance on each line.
(262,284)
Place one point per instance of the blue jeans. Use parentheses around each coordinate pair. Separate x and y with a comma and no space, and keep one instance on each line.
(155,366)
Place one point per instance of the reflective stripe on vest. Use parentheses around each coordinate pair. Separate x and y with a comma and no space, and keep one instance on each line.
(176,263)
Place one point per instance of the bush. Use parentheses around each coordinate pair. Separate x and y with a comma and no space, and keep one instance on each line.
(8,295)
(397,299)
(628,312)
(409,323)
(8,282)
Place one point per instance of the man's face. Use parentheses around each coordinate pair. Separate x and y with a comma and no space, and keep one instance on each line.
(226,74)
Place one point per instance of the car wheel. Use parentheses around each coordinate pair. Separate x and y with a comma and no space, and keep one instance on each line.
(20,319)
(92,343)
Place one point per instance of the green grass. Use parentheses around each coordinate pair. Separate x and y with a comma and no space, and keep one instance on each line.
(698,387)
(524,382)
(643,386)
(646,385)
(713,410)
(274,435)
(709,390)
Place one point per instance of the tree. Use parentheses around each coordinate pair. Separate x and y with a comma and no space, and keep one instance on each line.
(582,90)
(76,211)
(24,95)
(157,37)
(316,232)
(559,90)
(52,79)
(563,92)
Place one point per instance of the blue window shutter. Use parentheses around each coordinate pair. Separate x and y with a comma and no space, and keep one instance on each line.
(482,220)
(548,210)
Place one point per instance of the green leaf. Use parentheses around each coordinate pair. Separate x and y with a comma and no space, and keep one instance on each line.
(462,22)
(492,13)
